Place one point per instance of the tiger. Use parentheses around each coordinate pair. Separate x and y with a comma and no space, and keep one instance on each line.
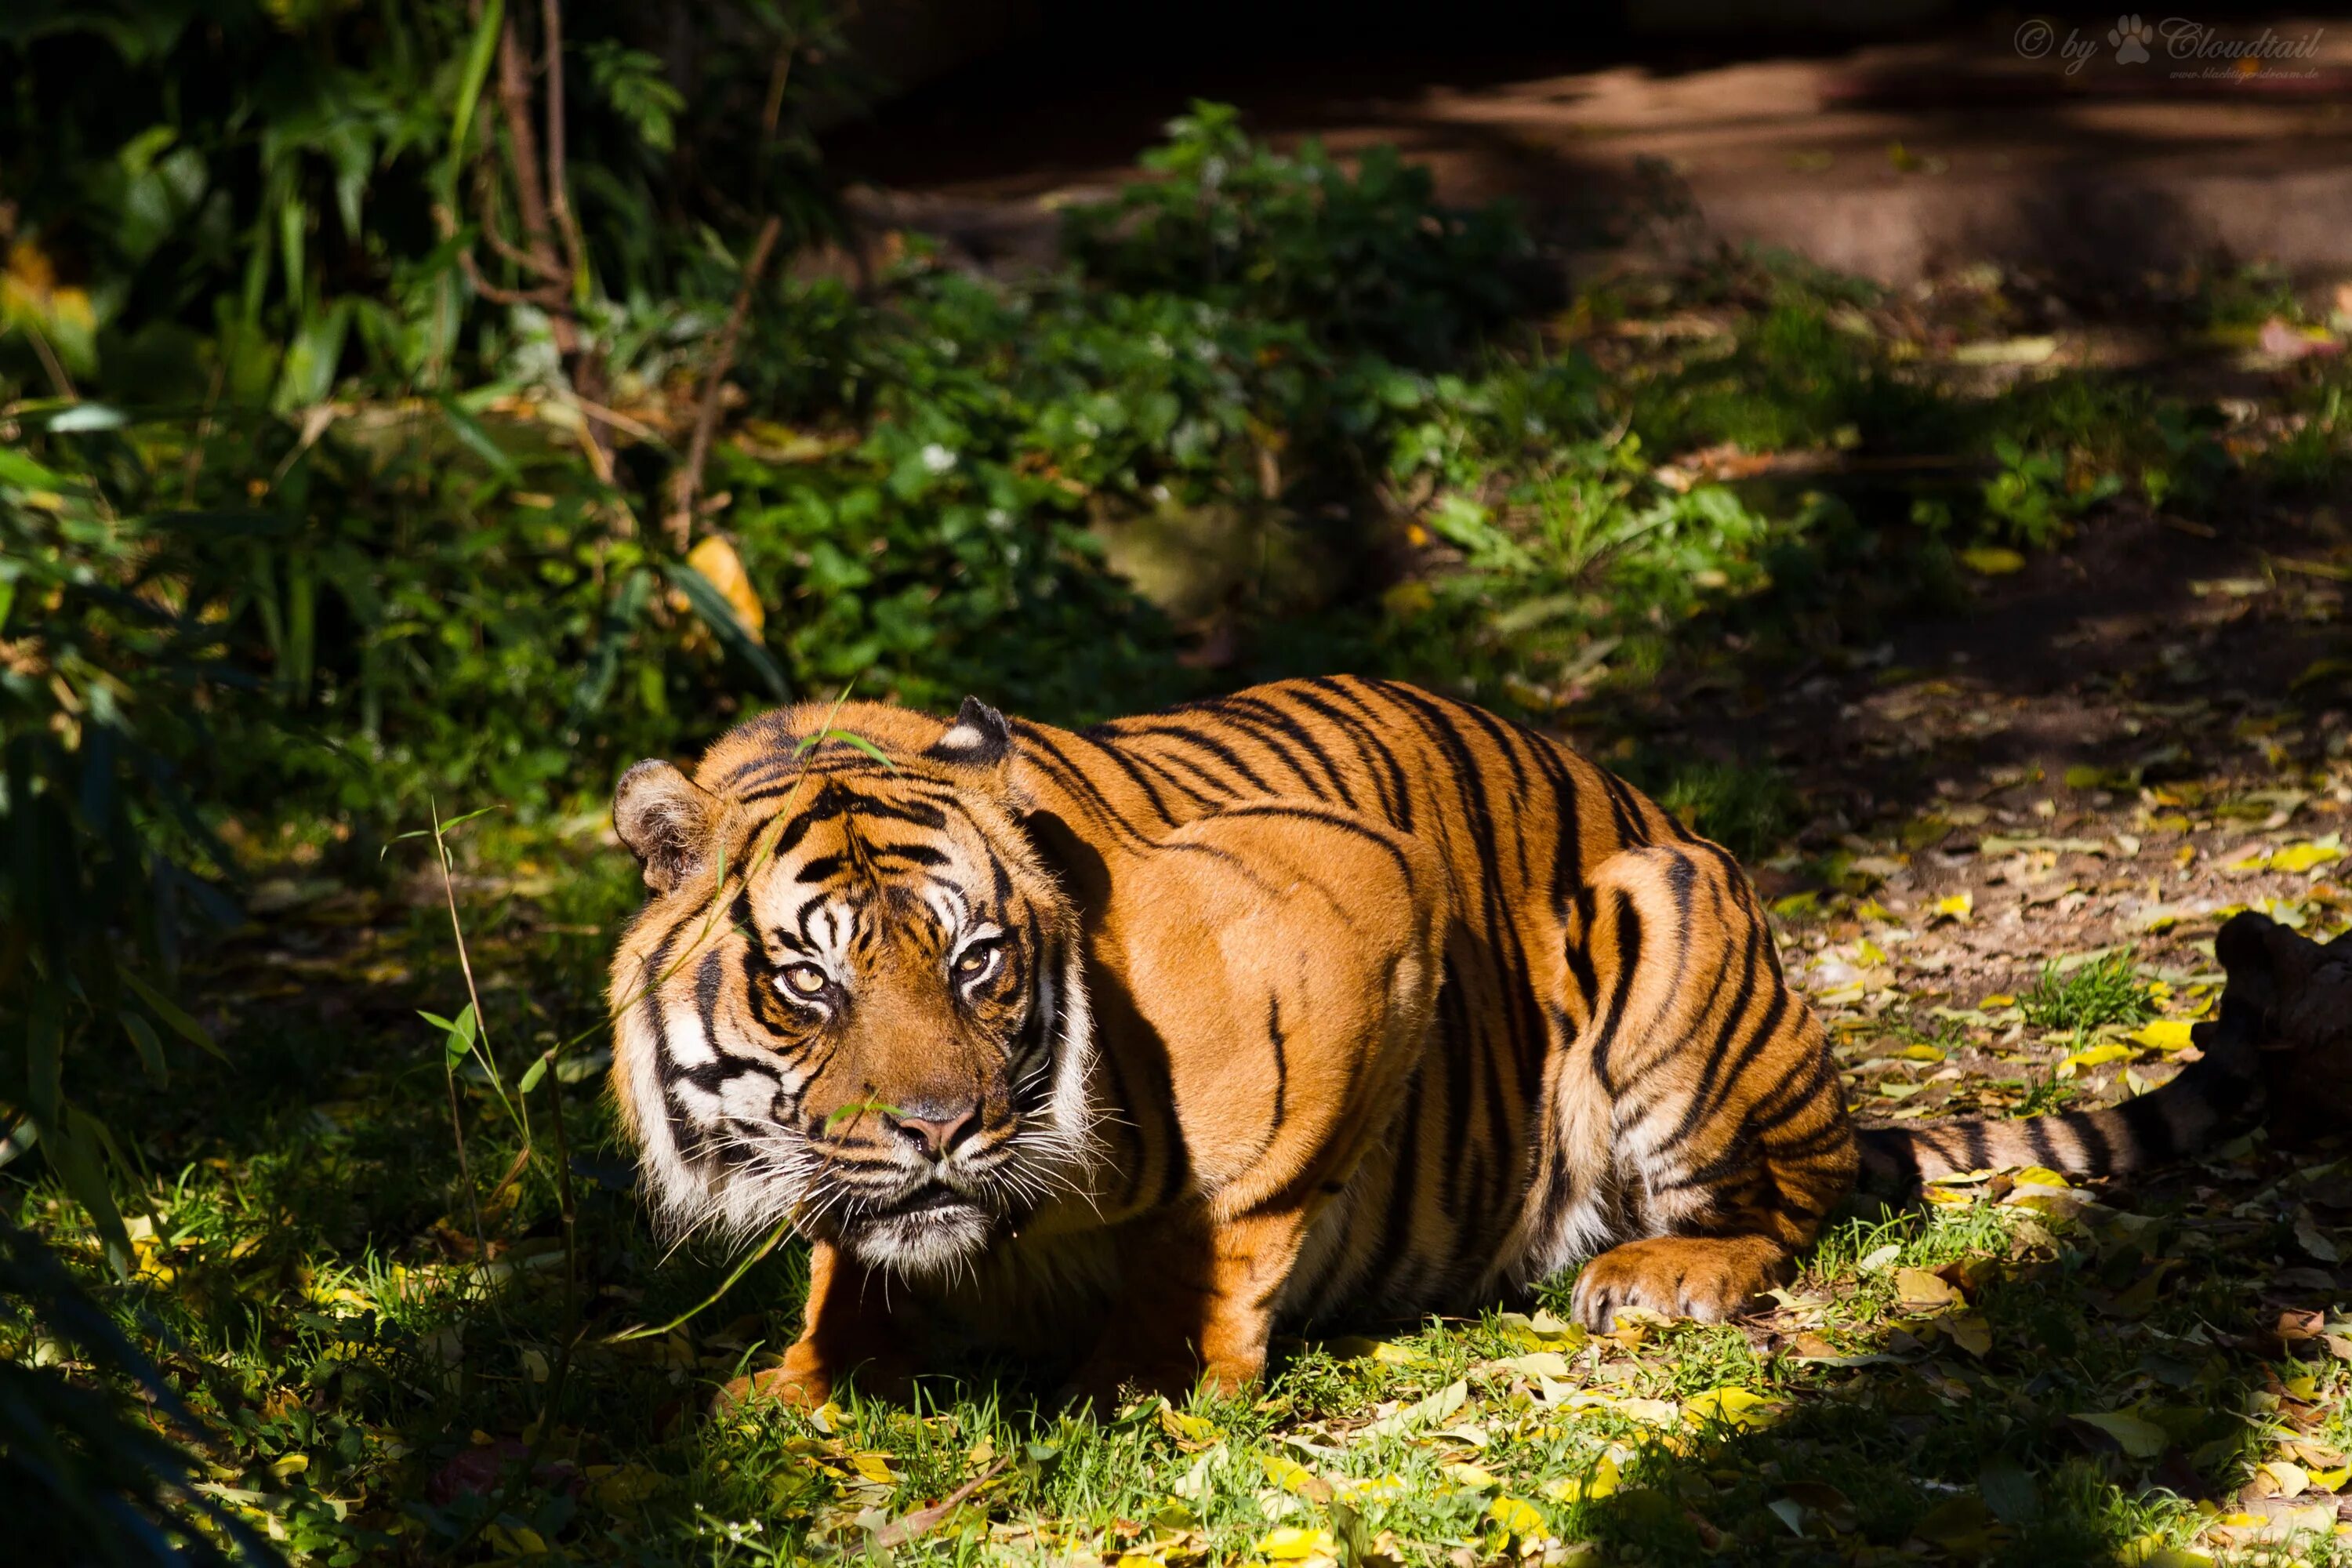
(1332,996)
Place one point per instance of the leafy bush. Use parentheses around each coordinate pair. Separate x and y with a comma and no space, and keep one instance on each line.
(108,662)
(1368,260)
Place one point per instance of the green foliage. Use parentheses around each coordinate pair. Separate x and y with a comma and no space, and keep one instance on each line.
(82,1478)
(1366,260)
(1749,809)
(254,206)
(101,718)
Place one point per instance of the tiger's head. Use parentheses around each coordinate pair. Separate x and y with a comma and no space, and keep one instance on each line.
(852,999)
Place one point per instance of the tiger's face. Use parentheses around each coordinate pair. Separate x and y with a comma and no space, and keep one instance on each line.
(854,1000)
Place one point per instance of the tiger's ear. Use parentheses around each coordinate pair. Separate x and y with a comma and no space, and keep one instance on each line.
(980,738)
(666,820)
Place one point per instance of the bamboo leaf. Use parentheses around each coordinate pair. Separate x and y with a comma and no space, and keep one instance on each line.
(720,617)
(469,91)
(478,440)
(150,1049)
(174,1017)
(855,742)
(73,1148)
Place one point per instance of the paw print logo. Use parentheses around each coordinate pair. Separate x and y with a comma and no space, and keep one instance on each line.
(2130,35)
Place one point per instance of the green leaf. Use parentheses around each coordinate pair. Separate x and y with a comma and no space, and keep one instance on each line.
(855,742)
(633,83)
(857,1108)
(458,1032)
(72,1145)
(2008,1491)
(457,822)
(532,1073)
(719,617)
(150,1049)
(2138,1439)
(469,91)
(15,468)
(174,1017)
(476,439)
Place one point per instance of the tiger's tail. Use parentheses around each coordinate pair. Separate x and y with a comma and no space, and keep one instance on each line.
(2214,1096)
(2220,1093)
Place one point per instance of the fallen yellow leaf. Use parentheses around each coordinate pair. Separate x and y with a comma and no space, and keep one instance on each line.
(1519,1519)
(1992,561)
(1290,1543)
(1971,1332)
(1600,1483)
(2290,1477)
(1732,1405)
(1288,1474)
(2164,1034)
(622,1486)
(2303,856)
(2097,1056)
(1379,1488)
(1916,1287)
(1187,1428)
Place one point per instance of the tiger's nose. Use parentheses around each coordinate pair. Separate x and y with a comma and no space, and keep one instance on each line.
(937,1133)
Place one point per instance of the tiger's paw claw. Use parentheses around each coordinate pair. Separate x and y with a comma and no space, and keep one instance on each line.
(1706,1281)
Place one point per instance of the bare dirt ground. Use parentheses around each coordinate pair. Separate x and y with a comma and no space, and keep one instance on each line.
(2121,747)
(1889,161)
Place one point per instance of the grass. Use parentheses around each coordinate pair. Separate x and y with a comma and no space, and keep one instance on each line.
(2102,992)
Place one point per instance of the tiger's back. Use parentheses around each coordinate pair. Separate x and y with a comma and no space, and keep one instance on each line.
(1507,1155)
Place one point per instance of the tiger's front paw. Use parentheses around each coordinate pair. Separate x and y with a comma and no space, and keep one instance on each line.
(803,1391)
(1677,1277)
(807,1379)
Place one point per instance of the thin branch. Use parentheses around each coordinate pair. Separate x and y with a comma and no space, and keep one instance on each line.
(548,296)
(558,185)
(688,485)
(59,381)
(523,160)
(508,248)
(772,111)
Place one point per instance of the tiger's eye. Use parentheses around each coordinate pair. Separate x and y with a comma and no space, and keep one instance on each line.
(976,959)
(807,979)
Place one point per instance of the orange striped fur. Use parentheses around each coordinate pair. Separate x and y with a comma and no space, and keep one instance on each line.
(1329,996)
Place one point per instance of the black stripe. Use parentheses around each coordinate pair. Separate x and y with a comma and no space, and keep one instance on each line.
(1281,1056)
(1187,735)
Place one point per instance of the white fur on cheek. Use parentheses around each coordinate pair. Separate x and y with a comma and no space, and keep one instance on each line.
(688,1193)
